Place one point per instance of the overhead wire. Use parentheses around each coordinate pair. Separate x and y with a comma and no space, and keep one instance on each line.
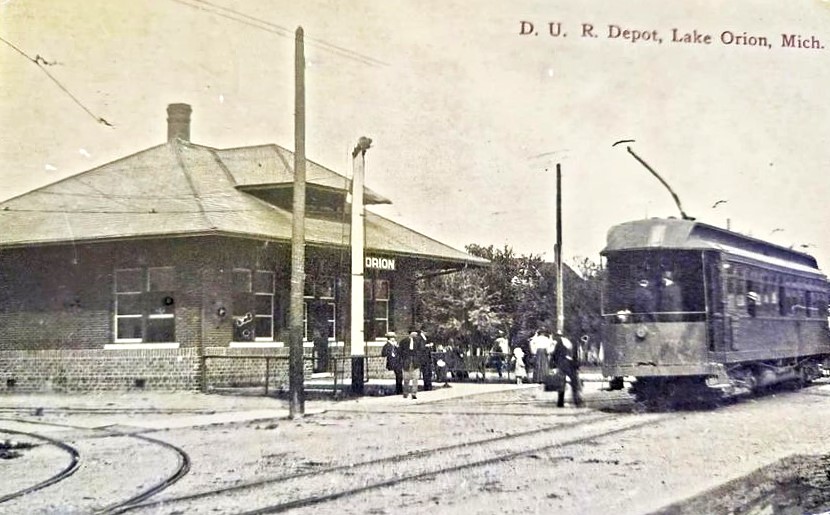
(150,211)
(259,23)
(40,62)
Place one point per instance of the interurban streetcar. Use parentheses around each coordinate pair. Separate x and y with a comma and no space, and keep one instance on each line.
(689,306)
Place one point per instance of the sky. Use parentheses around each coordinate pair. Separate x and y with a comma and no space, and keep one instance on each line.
(468,116)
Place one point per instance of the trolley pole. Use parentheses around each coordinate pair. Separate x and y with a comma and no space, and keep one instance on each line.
(357,339)
(296,395)
(560,297)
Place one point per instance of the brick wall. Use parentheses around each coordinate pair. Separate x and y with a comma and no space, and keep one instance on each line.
(57,314)
(77,370)
(98,370)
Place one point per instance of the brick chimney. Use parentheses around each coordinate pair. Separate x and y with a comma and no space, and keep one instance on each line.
(178,122)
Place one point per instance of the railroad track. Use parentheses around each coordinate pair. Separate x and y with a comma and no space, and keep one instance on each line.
(77,464)
(180,472)
(327,484)
(68,470)
(42,410)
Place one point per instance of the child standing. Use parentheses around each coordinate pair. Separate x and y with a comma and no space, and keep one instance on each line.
(519,365)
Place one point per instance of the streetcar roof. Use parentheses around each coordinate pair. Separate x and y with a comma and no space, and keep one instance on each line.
(673,233)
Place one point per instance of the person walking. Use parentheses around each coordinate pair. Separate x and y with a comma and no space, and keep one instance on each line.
(393,360)
(409,350)
(566,361)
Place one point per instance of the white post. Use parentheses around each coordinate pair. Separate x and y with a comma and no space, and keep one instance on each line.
(357,340)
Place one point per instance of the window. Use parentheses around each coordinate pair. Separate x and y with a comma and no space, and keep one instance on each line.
(657,285)
(325,289)
(783,310)
(808,303)
(797,307)
(331,310)
(264,305)
(129,326)
(323,314)
(253,305)
(145,308)
(376,298)
(161,309)
(730,293)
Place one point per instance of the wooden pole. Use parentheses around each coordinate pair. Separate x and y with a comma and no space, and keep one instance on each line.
(296,395)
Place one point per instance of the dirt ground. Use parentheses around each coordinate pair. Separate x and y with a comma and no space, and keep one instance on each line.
(467,449)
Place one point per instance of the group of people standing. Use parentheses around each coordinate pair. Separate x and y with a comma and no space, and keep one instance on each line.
(553,359)
(413,353)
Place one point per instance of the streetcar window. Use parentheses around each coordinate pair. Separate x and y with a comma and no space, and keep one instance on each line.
(752,299)
(797,307)
(740,293)
(808,305)
(782,301)
(655,286)
(730,293)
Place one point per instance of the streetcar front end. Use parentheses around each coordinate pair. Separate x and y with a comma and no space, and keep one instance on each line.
(655,315)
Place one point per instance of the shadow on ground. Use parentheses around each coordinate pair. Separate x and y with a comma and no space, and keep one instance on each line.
(793,486)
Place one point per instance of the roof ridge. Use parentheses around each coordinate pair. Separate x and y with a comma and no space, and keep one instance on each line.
(180,160)
(223,166)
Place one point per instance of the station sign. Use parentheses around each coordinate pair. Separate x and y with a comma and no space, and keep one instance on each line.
(380,263)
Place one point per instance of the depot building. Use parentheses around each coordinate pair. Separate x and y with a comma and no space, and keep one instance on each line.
(170,269)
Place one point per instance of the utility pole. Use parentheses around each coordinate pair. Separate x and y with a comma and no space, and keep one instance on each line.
(560,297)
(296,395)
(357,339)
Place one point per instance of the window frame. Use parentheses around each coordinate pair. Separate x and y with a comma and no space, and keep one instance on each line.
(270,296)
(116,316)
(144,315)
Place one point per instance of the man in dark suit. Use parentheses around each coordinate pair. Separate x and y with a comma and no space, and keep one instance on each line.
(425,359)
(393,360)
(411,351)
(566,360)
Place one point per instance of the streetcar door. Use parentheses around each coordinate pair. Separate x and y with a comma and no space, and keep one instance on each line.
(715,315)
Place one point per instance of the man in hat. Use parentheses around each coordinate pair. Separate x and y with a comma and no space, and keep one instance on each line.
(671,298)
(393,360)
(410,349)
(425,359)
(644,305)
(566,360)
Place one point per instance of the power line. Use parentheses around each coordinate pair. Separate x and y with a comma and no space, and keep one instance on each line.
(151,211)
(40,62)
(315,41)
(279,30)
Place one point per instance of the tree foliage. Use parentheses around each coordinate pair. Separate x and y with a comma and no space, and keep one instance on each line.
(515,294)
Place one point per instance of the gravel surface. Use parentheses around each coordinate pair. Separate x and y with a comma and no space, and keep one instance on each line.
(500,452)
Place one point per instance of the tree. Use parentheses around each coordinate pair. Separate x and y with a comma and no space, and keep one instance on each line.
(516,294)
